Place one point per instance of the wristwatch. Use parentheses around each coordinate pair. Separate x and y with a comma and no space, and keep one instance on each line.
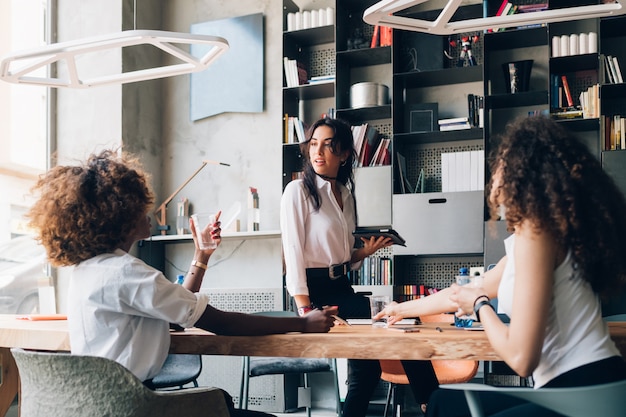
(479,305)
(304,309)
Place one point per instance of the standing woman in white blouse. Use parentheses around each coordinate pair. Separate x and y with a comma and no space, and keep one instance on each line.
(317,218)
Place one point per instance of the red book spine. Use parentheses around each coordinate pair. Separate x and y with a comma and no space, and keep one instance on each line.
(374,42)
(568,93)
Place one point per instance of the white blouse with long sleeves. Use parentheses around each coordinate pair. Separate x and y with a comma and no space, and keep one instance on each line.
(314,239)
(120,308)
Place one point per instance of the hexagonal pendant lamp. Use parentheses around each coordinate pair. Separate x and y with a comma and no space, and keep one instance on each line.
(22,67)
(388,13)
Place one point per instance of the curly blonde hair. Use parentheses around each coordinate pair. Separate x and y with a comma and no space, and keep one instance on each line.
(91,208)
(552,179)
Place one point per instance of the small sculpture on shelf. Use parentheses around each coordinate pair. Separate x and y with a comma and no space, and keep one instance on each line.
(465,54)
(357,40)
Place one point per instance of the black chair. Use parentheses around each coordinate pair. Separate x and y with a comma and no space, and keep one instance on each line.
(178,371)
(259,366)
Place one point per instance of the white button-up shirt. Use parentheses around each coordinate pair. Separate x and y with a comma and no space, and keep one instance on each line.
(120,308)
(314,239)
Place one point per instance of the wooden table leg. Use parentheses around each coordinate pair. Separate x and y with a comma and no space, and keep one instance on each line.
(9,383)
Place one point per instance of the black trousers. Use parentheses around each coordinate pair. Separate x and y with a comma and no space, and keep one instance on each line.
(448,403)
(364,375)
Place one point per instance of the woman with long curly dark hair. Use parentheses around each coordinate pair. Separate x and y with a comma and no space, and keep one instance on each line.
(318,216)
(566,251)
(88,216)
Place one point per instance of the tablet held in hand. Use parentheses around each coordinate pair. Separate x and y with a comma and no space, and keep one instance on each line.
(368,232)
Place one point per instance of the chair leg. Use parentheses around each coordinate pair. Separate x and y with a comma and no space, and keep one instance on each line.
(395,407)
(306,387)
(390,392)
(245,384)
(336,383)
(473,402)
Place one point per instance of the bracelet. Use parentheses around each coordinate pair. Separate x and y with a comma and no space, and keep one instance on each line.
(199,264)
(479,297)
(480,305)
(304,309)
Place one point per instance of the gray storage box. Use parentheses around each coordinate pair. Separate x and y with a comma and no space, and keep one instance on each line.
(439,223)
(373,195)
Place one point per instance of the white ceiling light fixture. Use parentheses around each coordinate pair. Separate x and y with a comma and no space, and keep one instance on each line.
(21,67)
(384,13)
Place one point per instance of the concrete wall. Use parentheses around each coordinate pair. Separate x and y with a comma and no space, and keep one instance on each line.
(249,142)
(151,118)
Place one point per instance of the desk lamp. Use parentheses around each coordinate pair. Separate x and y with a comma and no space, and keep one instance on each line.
(387,13)
(161,212)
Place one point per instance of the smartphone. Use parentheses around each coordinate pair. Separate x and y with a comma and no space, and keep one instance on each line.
(404,328)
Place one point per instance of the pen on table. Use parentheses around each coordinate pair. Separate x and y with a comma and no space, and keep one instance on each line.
(340,320)
(336,317)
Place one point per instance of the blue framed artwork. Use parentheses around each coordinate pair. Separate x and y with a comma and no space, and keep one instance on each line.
(234,82)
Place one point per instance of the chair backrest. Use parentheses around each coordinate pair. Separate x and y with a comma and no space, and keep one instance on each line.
(606,400)
(178,370)
(60,384)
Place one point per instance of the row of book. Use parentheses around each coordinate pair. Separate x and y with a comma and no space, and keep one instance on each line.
(476,110)
(590,102)
(372,149)
(462,171)
(614,132)
(405,184)
(508,8)
(613,71)
(374,270)
(412,292)
(295,73)
(382,36)
(560,94)
(294,130)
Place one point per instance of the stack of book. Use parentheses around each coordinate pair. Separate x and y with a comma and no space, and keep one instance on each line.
(455,123)
(322,79)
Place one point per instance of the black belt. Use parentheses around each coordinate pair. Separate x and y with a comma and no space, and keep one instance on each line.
(333,271)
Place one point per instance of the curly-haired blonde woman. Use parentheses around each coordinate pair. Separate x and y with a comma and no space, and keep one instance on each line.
(567,250)
(88,216)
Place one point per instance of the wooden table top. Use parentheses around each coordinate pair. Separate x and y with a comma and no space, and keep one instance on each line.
(357,341)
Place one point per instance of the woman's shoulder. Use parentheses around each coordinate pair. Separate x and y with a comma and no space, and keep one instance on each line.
(294,187)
